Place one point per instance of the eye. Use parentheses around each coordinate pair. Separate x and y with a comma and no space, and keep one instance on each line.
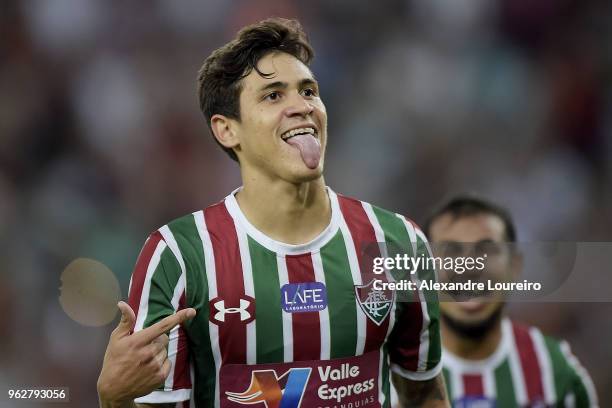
(272,96)
(309,92)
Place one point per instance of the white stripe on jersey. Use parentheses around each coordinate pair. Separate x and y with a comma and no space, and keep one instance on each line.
(317,265)
(169,238)
(488,383)
(355,273)
(192,374)
(545,366)
(283,279)
(211,277)
(172,351)
(249,290)
(381,393)
(570,400)
(140,253)
(178,291)
(424,342)
(456,382)
(380,239)
(143,308)
(518,380)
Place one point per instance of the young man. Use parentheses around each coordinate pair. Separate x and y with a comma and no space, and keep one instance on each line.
(489,360)
(287,315)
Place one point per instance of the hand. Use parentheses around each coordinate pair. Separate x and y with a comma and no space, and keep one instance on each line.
(136,364)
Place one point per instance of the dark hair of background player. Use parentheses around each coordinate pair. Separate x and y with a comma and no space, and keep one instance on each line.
(219,79)
(467,205)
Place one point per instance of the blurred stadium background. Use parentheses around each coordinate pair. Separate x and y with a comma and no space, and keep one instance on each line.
(102,141)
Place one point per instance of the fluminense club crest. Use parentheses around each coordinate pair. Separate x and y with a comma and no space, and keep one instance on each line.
(376,304)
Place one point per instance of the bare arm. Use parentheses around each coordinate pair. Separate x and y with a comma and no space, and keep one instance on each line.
(421,394)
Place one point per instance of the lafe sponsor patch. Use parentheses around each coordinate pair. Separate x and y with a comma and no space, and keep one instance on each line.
(303,297)
(334,383)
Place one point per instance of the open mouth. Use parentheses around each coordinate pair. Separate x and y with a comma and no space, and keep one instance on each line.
(299,131)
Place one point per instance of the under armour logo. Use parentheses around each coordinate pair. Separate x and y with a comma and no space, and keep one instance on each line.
(221,311)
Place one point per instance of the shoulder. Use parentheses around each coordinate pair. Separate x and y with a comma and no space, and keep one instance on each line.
(186,235)
(395,226)
(549,350)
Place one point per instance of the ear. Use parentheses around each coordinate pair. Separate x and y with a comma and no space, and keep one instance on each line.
(223,129)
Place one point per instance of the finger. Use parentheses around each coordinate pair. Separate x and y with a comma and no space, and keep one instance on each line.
(128,319)
(155,348)
(149,334)
(165,370)
(160,357)
(162,339)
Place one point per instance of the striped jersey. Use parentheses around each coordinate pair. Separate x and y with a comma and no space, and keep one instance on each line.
(528,369)
(281,325)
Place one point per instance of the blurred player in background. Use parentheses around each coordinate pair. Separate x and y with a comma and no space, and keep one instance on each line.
(286,315)
(489,360)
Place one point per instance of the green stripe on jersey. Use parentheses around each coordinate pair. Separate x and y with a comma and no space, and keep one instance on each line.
(188,240)
(340,298)
(394,229)
(573,380)
(268,312)
(190,245)
(504,385)
(582,395)
(559,365)
(163,282)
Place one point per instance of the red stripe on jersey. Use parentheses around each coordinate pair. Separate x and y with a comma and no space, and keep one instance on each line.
(182,378)
(230,283)
(366,249)
(472,385)
(405,341)
(529,362)
(306,325)
(140,270)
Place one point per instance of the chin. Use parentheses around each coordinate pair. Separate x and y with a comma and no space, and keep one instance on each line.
(473,325)
(304,174)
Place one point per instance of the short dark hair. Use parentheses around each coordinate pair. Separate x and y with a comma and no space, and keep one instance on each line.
(466,205)
(219,79)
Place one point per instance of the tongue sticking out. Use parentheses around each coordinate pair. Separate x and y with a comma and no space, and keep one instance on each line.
(309,148)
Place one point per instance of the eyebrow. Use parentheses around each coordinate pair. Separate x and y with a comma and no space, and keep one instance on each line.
(285,85)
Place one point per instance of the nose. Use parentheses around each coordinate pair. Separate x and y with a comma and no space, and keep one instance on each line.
(299,107)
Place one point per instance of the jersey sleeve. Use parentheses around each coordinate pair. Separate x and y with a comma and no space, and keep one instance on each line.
(581,391)
(414,344)
(157,290)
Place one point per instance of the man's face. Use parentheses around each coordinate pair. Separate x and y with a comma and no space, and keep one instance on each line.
(283,123)
(473,235)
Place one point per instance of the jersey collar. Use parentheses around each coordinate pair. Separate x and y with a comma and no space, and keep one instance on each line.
(463,365)
(280,247)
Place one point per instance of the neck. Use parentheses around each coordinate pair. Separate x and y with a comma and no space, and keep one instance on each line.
(469,348)
(286,212)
